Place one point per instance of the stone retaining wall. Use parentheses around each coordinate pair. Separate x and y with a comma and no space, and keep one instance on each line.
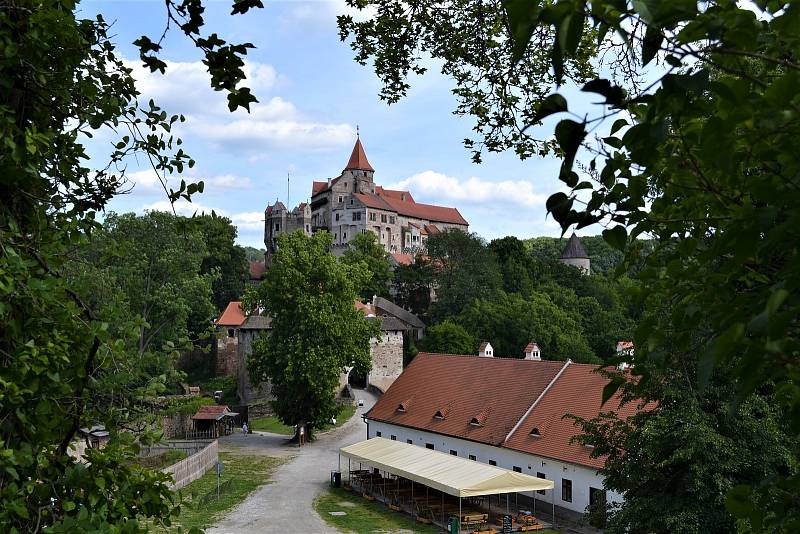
(193,467)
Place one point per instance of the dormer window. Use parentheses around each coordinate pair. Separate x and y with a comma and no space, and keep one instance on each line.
(475,422)
(535,432)
(401,408)
(438,415)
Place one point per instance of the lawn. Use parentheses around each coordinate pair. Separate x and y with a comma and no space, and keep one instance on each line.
(367,517)
(243,475)
(160,461)
(272,424)
(363,516)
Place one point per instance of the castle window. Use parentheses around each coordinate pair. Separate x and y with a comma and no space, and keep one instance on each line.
(473,457)
(337,216)
(373,216)
(341,199)
(277,227)
(356,215)
(391,219)
(383,217)
(344,235)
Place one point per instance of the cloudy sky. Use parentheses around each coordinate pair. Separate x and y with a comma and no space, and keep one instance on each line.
(311,97)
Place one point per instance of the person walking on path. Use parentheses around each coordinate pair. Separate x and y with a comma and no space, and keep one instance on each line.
(245,429)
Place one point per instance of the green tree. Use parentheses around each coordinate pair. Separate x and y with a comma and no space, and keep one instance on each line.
(316,330)
(413,284)
(365,249)
(223,257)
(449,337)
(61,79)
(465,269)
(510,322)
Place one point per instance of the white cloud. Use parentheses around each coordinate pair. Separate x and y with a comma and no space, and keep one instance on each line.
(437,187)
(273,122)
(145,182)
(322,14)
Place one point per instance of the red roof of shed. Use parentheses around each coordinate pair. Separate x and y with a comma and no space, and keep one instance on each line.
(233,315)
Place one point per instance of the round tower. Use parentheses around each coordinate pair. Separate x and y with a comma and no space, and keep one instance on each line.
(574,254)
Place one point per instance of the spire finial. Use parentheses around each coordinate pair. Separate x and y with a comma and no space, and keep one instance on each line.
(358,134)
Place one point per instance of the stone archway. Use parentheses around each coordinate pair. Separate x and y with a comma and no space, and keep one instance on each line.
(356,380)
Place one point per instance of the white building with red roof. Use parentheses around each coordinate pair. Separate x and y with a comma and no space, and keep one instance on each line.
(506,412)
(352,203)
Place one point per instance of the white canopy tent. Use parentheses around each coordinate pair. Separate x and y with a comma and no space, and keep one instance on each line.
(444,472)
(450,474)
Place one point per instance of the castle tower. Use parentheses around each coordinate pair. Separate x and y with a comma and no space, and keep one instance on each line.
(574,254)
(359,168)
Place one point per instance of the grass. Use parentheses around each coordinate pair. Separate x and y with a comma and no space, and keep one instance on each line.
(273,424)
(366,517)
(244,474)
(160,461)
(363,516)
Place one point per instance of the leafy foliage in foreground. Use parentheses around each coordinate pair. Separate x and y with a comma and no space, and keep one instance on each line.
(59,80)
(700,160)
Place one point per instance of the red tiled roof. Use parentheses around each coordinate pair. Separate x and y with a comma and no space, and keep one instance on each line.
(578,391)
(211,412)
(318,187)
(530,347)
(402,196)
(413,209)
(373,201)
(499,391)
(402,259)
(232,316)
(358,159)
(497,395)
(366,308)
(432,229)
(257,269)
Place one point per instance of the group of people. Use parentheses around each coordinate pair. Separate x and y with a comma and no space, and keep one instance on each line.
(299,430)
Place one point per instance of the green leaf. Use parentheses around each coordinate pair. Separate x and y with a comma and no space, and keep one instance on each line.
(651,44)
(616,237)
(523,17)
(614,94)
(569,135)
(554,103)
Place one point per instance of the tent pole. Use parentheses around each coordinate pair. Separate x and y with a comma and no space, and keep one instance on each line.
(534,502)
(442,508)
(506,502)
(554,506)
(459,513)
(349,475)
(340,462)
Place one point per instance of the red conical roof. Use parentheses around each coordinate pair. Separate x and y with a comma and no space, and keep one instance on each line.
(358,159)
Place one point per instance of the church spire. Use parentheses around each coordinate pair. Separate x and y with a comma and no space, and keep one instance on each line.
(358,159)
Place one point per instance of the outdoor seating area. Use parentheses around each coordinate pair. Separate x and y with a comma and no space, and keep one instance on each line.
(436,488)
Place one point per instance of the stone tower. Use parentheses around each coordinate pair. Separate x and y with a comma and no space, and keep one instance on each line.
(574,254)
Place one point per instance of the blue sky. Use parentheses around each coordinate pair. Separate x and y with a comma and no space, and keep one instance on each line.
(312,95)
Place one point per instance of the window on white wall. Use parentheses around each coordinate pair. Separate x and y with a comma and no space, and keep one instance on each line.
(473,458)
(378,433)
(429,446)
(393,438)
(492,462)
(453,453)
(517,469)
(566,490)
(540,475)
(410,441)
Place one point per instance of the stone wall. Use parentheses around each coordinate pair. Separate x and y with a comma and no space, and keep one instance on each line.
(178,424)
(387,359)
(247,392)
(227,361)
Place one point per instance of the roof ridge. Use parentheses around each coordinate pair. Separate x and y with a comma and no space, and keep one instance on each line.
(539,398)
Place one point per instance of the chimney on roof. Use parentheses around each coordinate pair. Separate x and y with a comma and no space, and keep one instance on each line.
(532,352)
(486,350)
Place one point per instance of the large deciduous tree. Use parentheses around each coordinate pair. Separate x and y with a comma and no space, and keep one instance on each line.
(60,79)
(316,330)
(690,142)
(223,257)
(365,249)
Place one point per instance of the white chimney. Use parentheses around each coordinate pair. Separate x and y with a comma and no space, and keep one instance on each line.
(486,350)
(532,352)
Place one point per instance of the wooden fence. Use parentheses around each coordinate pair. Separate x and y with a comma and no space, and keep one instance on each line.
(193,467)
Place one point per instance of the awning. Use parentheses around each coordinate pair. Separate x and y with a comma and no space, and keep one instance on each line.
(453,475)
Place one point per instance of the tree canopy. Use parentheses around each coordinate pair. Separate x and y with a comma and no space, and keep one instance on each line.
(316,330)
(364,248)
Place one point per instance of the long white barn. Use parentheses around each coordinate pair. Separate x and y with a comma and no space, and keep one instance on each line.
(504,412)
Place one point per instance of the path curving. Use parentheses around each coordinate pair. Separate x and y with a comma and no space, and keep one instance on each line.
(286,504)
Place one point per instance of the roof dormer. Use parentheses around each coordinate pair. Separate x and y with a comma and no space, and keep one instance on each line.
(533,352)
(486,350)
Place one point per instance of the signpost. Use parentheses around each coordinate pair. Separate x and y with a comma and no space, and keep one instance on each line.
(220,469)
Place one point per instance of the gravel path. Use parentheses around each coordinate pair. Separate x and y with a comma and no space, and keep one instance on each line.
(286,504)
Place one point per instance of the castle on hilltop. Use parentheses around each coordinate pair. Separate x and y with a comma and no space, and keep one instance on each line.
(352,203)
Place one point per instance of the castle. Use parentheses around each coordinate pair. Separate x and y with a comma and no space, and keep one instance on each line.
(352,203)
